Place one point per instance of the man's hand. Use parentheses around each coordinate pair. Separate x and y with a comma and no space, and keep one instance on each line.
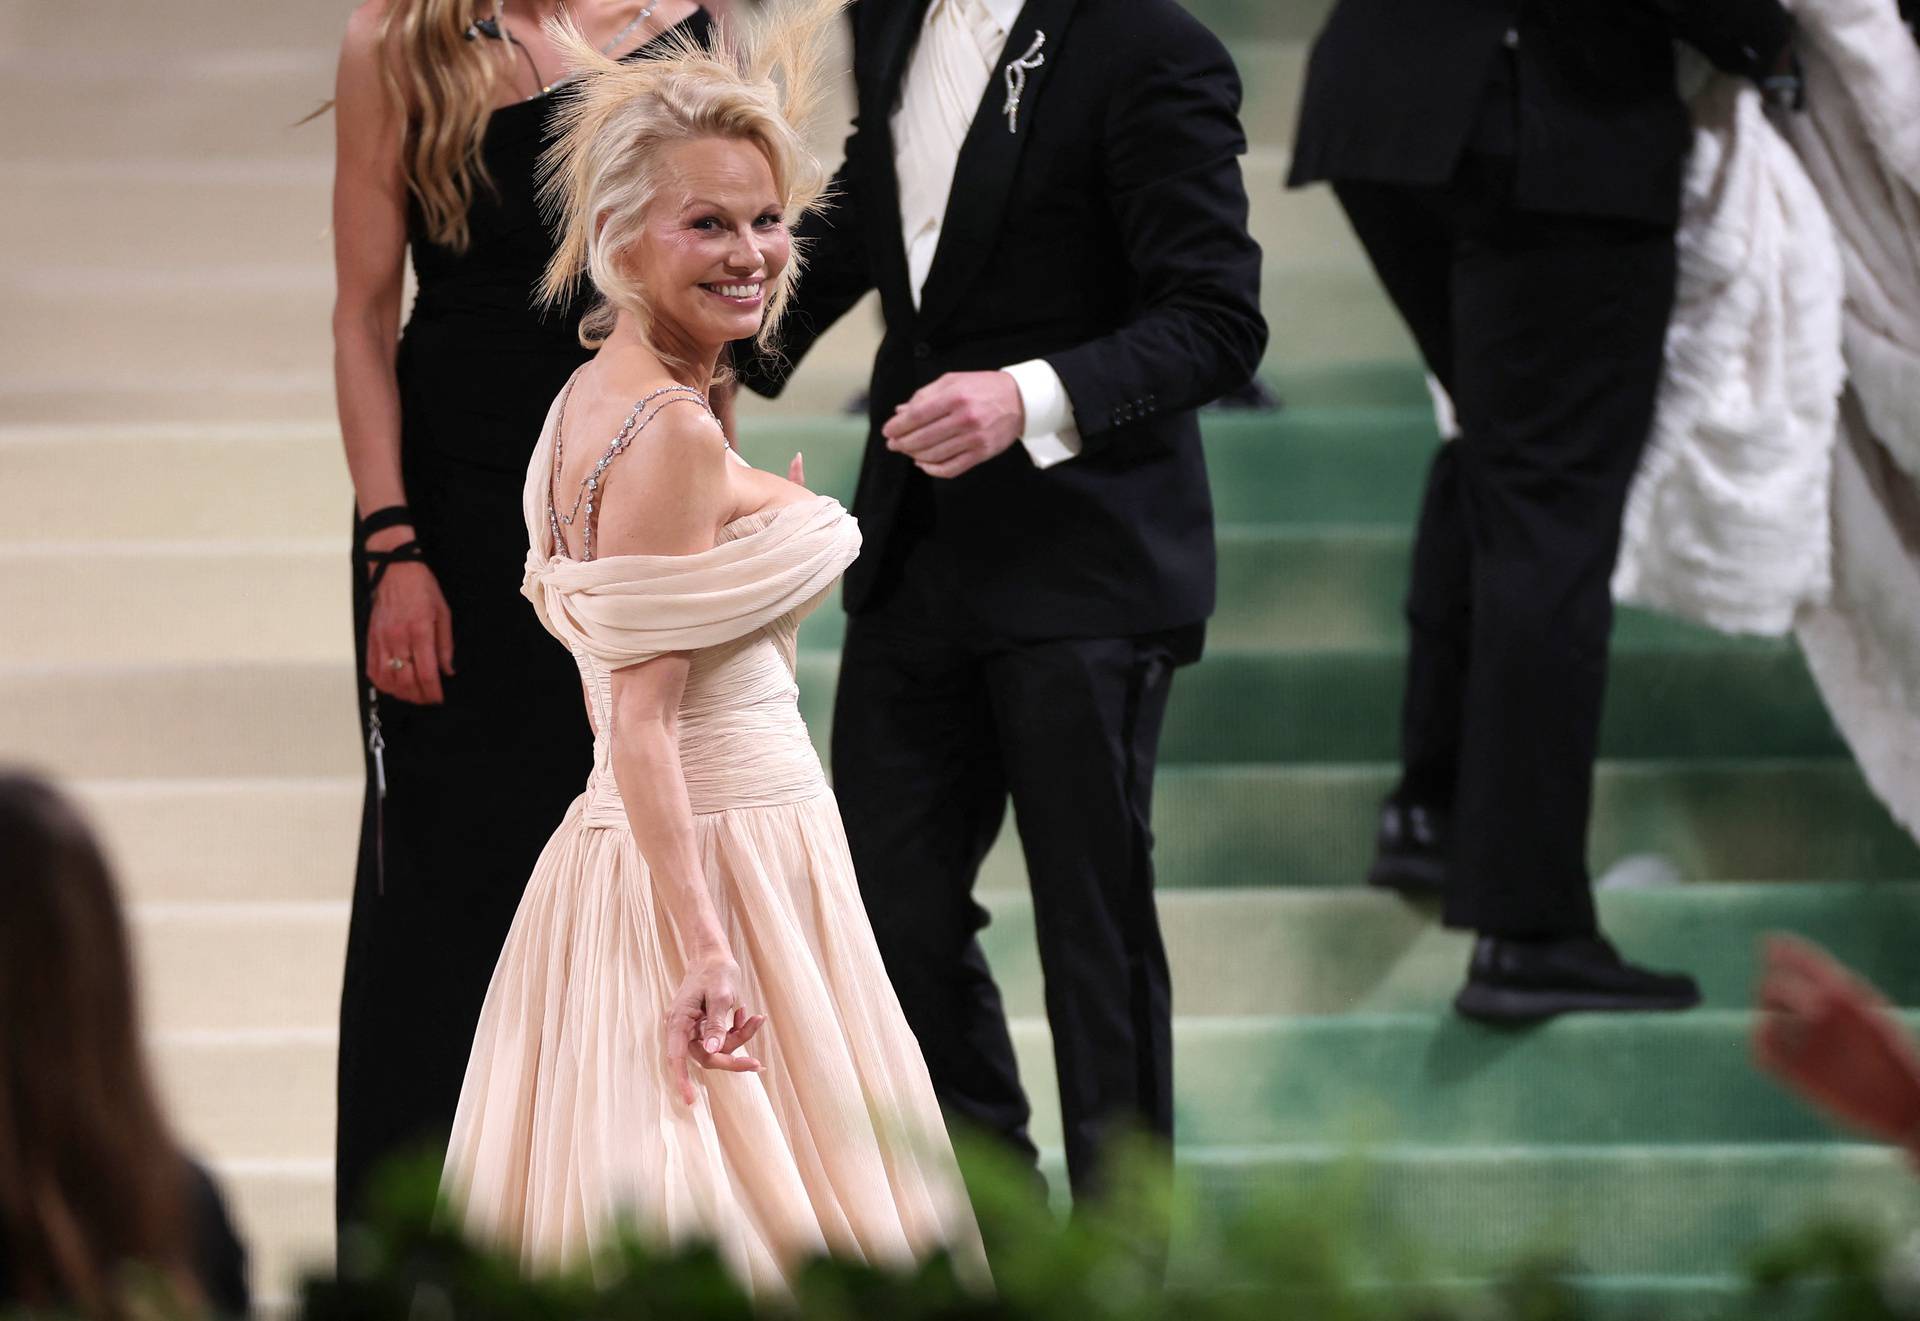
(959,421)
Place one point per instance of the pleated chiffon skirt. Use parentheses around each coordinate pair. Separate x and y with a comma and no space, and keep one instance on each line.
(569,1125)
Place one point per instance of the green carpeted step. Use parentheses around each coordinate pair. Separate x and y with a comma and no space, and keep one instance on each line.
(1301,952)
(1319,706)
(1637,1298)
(1365,1078)
(1329,463)
(1332,587)
(1405,1289)
(1661,702)
(1227,826)
(1389,383)
(1303,825)
(1270,71)
(1684,1211)
(1236,21)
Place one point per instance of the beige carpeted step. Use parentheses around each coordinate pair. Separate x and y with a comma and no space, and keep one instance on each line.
(242,1095)
(210,482)
(44,32)
(64,321)
(277,966)
(273,839)
(260,839)
(195,212)
(121,103)
(130,332)
(225,601)
(92,717)
(284,1211)
(250,1094)
(240,966)
(115,393)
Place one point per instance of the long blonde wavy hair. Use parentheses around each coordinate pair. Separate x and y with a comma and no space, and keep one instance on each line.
(757,80)
(444,86)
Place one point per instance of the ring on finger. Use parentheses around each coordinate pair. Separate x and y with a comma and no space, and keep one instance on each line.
(397,662)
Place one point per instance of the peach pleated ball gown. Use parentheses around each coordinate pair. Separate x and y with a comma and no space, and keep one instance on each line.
(568,1123)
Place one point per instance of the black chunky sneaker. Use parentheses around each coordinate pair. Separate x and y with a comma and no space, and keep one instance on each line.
(1525,981)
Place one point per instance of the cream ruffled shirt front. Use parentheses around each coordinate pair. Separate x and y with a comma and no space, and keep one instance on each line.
(960,43)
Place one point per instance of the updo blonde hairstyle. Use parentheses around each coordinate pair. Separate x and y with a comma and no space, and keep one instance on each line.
(755,82)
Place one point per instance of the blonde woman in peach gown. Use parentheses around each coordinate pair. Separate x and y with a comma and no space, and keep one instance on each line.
(690,1028)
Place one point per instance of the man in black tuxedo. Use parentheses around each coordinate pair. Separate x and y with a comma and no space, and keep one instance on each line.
(1513,169)
(1049,200)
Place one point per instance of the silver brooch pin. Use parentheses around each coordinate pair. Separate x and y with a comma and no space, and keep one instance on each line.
(1017,71)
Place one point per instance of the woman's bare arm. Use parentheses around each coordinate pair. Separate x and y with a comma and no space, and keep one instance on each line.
(411,621)
(369,253)
(669,495)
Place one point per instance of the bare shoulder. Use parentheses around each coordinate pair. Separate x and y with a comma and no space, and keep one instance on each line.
(360,48)
(360,87)
(363,28)
(668,493)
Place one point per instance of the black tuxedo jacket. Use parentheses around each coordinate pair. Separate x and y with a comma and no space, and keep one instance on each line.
(1106,232)
(1394,86)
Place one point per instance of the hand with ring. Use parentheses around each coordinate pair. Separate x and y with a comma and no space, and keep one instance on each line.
(410,632)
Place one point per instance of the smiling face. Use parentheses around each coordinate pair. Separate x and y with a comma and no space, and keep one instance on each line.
(713,243)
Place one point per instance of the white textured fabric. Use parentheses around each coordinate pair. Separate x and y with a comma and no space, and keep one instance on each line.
(1727,521)
(1858,144)
(945,79)
(1860,141)
(567,1122)
(1757,505)
(960,42)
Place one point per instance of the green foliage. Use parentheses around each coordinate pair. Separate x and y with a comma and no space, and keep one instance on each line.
(1305,1254)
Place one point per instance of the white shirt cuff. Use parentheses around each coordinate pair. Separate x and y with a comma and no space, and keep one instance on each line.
(1050,435)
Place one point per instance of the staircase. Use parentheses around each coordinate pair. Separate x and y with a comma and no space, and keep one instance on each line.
(177,650)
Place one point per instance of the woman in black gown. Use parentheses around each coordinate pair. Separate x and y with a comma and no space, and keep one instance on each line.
(477,737)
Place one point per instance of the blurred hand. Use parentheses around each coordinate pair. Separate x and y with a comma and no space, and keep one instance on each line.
(1829,1036)
(705,1024)
(958,422)
(411,622)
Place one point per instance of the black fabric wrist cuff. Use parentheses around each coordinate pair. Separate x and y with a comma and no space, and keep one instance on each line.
(379,561)
(382,519)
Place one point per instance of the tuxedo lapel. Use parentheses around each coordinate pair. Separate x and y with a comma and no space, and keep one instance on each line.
(991,154)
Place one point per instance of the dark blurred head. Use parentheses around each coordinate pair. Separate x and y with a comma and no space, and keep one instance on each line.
(91,1183)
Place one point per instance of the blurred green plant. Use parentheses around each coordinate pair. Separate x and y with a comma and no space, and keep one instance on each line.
(1304,1254)
(1309,1253)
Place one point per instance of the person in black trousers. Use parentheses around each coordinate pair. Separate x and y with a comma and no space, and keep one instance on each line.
(1049,200)
(1513,170)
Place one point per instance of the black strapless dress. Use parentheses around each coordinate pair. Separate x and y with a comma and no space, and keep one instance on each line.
(474,787)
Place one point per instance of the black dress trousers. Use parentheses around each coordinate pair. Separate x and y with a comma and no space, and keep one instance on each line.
(937,723)
(1547,331)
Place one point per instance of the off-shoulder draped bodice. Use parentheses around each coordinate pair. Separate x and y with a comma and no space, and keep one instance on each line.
(735,609)
(838,1146)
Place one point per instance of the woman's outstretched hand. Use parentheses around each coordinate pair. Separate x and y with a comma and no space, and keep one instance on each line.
(706,1024)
